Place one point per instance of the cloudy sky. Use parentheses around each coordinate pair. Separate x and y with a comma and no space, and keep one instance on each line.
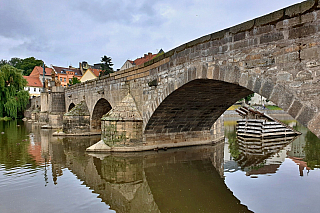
(65,32)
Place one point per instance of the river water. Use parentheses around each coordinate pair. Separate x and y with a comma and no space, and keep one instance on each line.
(41,173)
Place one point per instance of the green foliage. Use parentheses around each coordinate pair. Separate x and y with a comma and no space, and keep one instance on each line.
(233,143)
(14,146)
(106,65)
(73,81)
(27,64)
(159,54)
(248,98)
(312,150)
(5,119)
(13,97)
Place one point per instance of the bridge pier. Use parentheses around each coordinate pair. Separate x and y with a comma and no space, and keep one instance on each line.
(122,125)
(52,107)
(77,120)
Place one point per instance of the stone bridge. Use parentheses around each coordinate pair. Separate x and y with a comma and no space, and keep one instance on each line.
(181,94)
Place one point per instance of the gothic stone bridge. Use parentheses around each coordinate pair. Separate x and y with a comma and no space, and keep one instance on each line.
(178,96)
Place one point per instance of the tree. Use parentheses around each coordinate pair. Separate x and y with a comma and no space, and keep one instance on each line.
(13,97)
(15,62)
(27,64)
(3,62)
(73,81)
(248,98)
(106,65)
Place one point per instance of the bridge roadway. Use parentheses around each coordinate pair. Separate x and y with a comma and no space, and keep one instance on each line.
(185,90)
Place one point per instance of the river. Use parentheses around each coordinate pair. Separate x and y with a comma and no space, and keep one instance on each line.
(42,173)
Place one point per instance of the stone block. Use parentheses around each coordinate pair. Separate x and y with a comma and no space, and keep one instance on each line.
(219,35)
(306,115)
(269,18)
(262,29)
(302,31)
(257,85)
(295,108)
(314,125)
(299,8)
(243,81)
(267,89)
(239,36)
(248,25)
(216,72)
(232,74)
(282,97)
(251,81)
(201,40)
(270,37)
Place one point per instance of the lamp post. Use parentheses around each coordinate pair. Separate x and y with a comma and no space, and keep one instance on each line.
(43,80)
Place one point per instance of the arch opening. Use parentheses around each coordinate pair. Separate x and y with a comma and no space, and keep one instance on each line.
(71,106)
(194,106)
(101,108)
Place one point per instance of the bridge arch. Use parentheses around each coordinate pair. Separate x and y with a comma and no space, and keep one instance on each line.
(100,108)
(71,106)
(200,95)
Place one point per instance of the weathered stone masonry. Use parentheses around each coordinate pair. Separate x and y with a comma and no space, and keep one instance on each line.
(181,93)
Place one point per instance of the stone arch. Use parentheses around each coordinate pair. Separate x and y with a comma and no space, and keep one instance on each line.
(71,106)
(101,107)
(191,89)
(195,106)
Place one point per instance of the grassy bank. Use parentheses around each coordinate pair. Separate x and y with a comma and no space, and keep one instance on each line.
(269,107)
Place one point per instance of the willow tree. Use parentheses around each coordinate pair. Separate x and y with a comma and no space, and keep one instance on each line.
(13,97)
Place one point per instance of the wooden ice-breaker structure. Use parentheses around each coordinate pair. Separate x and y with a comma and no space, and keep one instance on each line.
(258,125)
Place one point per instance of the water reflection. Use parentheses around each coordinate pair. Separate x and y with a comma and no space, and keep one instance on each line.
(265,156)
(36,166)
(178,180)
(282,180)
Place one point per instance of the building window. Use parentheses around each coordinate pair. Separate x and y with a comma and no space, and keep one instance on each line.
(34,89)
(60,79)
(65,80)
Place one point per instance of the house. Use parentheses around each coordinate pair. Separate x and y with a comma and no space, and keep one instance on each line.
(128,64)
(90,74)
(147,57)
(38,72)
(34,85)
(65,74)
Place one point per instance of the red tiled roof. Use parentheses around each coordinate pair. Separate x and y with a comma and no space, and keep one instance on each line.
(37,70)
(144,59)
(33,81)
(96,72)
(62,70)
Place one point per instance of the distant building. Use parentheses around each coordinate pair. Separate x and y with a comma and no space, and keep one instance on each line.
(90,74)
(84,66)
(34,85)
(147,57)
(65,74)
(38,72)
(260,100)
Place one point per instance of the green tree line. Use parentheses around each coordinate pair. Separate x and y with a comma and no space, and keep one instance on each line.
(26,64)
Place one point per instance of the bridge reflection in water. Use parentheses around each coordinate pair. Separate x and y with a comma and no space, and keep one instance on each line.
(176,180)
